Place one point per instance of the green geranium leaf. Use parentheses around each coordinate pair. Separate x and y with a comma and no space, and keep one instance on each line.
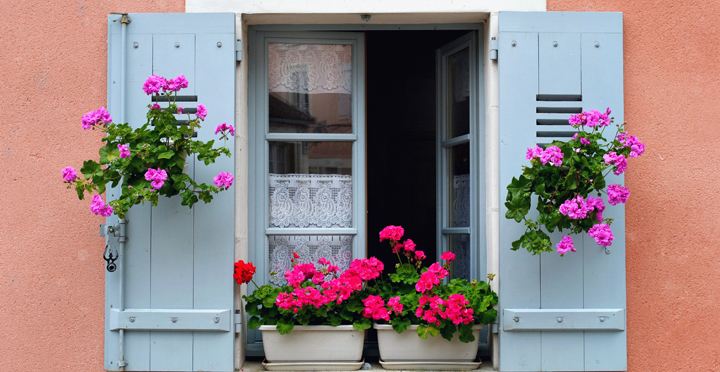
(254,322)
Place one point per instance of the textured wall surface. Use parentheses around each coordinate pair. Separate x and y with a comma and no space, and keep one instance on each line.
(672,102)
(52,70)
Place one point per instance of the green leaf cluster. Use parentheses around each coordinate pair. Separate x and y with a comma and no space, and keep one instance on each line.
(262,309)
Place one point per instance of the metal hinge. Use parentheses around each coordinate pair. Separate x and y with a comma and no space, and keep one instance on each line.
(494,327)
(238,321)
(238,50)
(494,49)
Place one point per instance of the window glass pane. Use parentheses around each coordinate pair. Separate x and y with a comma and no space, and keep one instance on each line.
(460,245)
(310,88)
(459,187)
(458,94)
(335,248)
(310,184)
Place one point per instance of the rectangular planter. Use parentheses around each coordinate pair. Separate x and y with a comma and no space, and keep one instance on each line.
(408,346)
(315,343)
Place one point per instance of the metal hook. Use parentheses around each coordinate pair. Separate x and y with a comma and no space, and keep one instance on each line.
(110,257)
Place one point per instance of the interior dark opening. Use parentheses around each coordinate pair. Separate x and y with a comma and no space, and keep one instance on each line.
(401,137)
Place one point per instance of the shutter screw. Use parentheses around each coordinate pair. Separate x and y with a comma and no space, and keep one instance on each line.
(559,319)
(597,44)
(555,44)
(516,319)
(132,319)
(602,318)
(217,319)
(607,250)
(177,45)
(174,319)
(513,43)
(136,45)
(219,44)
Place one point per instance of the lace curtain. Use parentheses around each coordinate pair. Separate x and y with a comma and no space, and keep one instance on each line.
(461,217)
(336,249)
(310,200)
(310,68)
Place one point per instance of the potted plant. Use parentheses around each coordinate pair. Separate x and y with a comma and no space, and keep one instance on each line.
(423,320)
(149,161)
(564,176)
(317,319)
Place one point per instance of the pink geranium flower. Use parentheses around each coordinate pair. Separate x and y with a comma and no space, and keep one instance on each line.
(69,174)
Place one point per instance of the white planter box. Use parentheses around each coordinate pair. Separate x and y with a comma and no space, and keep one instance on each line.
(320,343)
(408,346)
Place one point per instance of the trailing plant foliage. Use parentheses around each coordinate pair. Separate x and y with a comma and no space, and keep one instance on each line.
(417,295)
(569,180)
(149,161)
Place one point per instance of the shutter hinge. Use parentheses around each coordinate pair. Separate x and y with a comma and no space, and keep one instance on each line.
(494,49)
(238,321)
(494,327)
(238,50)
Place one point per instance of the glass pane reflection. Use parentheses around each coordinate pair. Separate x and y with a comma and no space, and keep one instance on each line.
(310,88)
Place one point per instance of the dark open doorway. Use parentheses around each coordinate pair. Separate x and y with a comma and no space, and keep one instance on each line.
(401,137)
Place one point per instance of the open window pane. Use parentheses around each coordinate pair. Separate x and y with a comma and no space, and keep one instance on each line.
(458,95)
(310,88)
(459,202)
(335,248)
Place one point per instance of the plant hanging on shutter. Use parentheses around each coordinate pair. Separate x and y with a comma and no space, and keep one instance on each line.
(150,161)
(565,176)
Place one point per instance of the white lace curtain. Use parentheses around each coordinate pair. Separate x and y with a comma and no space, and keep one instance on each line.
(309,200)
(310,68)
(334,248)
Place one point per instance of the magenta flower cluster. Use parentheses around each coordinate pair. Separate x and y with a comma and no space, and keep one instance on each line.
(552,154)
(592,118)
(602,234)
(619,161)
(224,179)
(157,176)
(454,308)
(154,84)
(565,245)
(95,117)
(432,277)
(578,208)
(69,174)
(222,128)
(617,194)
(124,151)
(98,207)
(335,290)
(637,148)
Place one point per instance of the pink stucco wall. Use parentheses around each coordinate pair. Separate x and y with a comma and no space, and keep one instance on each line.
(672,102)
(52,70)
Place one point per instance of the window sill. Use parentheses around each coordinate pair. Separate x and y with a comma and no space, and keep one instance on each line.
(257,367)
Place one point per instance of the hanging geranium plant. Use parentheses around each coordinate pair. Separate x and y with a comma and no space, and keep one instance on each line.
(149,161)
(568,179)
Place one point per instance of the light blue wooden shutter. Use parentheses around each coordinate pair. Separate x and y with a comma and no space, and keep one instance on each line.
(559,313)
(176,270)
